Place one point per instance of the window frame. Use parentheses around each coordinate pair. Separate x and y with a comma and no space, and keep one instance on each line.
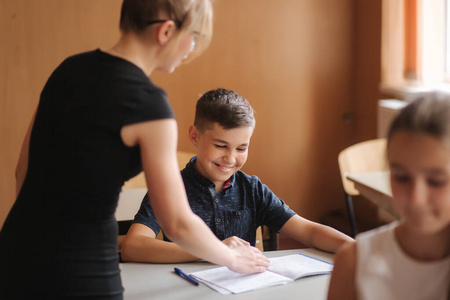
(415,43)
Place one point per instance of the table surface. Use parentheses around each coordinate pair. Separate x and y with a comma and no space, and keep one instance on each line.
(378,181)
(159,281)
(376,187)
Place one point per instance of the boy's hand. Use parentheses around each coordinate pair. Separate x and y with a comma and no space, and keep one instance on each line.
(248,260)
(234,241)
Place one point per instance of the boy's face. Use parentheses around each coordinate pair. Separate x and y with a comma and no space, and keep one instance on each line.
(220,152)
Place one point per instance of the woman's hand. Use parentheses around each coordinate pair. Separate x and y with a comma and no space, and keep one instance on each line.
(248,260)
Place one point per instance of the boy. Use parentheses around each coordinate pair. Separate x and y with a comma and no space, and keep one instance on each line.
(232,203)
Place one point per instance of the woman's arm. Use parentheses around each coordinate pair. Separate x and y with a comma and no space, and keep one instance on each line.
(141,245)
(312,234)
(22,163)
(342,282)
(158,144)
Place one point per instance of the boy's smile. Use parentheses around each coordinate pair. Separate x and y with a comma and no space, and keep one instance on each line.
(220,152)
(224,169)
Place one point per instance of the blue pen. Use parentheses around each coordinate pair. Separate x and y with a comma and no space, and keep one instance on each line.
(185,276)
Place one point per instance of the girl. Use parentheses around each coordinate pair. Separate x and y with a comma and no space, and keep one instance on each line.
(409,258)
(99,122)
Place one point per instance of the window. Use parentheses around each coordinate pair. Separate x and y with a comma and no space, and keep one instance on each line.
(447,40)
(416,46)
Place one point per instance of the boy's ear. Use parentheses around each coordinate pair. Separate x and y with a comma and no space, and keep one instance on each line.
(193,135)
(166,31)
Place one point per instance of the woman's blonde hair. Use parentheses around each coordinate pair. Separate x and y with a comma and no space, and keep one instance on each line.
(189,16)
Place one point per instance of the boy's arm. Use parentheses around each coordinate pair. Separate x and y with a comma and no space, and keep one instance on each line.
(342,282)
(141,245)
(312,234)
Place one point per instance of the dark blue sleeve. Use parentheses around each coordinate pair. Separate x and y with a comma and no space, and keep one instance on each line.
(272,211)
(146,217)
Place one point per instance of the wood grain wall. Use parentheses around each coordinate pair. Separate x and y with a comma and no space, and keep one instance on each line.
(296,61)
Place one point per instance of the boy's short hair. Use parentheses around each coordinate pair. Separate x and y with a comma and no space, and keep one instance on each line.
(225,107)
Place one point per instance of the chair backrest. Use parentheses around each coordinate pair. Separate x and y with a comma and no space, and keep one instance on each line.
(259,239)
(368,156)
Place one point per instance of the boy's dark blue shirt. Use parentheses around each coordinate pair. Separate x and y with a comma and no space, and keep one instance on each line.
(237,210)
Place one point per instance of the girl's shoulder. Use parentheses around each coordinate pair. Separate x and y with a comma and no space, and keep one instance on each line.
(378,234)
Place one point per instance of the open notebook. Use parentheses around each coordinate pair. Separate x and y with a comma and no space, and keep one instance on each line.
(282,270)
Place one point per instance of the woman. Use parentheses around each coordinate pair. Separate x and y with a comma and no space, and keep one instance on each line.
(99,122)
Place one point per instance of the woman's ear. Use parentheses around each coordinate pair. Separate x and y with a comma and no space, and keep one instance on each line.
(166,31)
(193,135)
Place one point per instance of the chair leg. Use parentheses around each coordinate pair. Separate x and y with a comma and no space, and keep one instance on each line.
(351,215)
(270,239)
(273,240)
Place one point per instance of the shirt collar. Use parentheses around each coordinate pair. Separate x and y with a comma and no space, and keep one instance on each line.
(192,173)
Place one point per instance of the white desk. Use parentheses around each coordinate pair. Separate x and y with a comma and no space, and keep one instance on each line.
(376,187)
(129,202)
(158,281)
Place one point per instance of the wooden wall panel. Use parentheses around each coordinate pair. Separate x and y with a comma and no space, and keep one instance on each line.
(35,36)
(367,72)
(292,59)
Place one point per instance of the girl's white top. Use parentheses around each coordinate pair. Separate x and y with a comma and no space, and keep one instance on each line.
(384,271)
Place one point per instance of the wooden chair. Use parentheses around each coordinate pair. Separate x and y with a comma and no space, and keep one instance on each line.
(368,156)
(270,239)
(259,239)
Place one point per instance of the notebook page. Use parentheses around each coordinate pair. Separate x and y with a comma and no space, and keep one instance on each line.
(299,265)
(236,283)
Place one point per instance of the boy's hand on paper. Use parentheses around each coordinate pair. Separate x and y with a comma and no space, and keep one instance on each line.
(248,260)
(234,241)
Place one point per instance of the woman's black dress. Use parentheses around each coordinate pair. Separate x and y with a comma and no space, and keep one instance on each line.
(60,238)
